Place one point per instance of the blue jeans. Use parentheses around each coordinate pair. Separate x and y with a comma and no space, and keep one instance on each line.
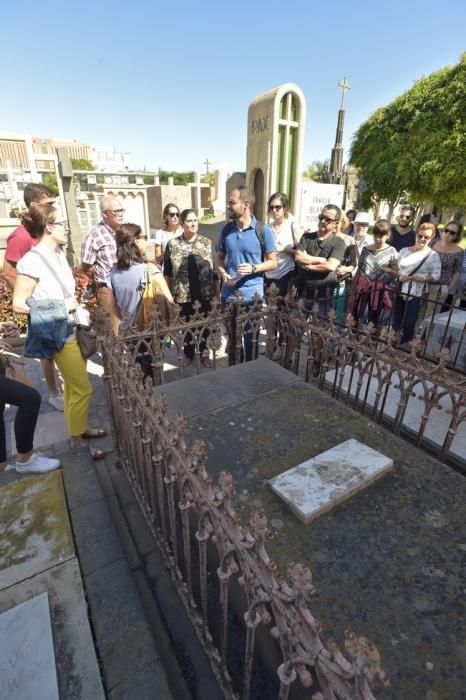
(409,309)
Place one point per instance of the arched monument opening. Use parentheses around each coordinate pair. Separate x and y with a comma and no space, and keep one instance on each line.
(276,122)
(258,189)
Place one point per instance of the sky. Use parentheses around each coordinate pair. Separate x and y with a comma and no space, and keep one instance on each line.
(170,82)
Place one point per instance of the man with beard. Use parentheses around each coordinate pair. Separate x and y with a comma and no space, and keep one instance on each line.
(245,250)
(404,235)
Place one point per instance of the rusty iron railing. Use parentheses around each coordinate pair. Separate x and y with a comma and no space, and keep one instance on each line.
(364,367)
(196,527)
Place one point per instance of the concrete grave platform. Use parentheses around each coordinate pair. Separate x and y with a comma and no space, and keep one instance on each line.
(388,562)
(27,667)
(320,483)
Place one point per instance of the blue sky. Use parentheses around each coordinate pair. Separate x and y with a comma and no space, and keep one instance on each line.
(170,82)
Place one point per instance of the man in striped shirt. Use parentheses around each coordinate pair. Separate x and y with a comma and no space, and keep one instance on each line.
(98,254)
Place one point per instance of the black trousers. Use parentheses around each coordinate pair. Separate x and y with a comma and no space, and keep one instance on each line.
(28,401)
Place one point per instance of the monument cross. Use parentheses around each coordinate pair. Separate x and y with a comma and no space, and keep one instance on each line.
(344,86)
(207,163)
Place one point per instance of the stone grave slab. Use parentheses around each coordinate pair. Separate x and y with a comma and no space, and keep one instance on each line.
(27,666)
(320,483)
(34,528)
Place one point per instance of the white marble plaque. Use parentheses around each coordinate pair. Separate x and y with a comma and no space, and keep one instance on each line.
(27,660)
(315,486)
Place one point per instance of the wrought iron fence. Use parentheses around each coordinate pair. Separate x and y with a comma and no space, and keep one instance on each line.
(212,556)
(416,388)
(193,519)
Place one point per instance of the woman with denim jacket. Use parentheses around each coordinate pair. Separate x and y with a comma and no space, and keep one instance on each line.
(43,277)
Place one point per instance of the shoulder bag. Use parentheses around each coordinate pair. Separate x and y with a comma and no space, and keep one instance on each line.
(86,337)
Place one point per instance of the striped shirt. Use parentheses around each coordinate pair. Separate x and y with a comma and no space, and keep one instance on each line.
(371,262)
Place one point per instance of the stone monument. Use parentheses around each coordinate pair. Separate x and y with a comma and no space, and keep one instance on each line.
(276,122)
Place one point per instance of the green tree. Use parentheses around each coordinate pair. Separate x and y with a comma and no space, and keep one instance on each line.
(82,164)
(209,178)
(182,178)
(50,180)
(416,145)
(317,171)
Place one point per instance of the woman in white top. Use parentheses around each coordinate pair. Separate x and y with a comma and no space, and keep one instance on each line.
(287,235)
(171,228)
(44,275)
(417,266)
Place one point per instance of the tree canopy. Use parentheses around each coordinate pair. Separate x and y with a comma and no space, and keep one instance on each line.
(417,143)
(178,178)
(317,170)
(82,164)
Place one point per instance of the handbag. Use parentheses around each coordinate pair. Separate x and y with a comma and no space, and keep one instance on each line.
(86,337)
(152,295)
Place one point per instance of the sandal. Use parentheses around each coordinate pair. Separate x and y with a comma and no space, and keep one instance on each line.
(96,453)
(91,433)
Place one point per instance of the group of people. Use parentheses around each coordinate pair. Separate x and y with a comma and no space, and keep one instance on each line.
(43,287)
(337,265)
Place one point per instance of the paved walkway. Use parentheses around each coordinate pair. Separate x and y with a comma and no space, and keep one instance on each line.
(71,547)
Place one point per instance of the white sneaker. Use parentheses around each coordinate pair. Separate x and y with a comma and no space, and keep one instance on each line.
(57,401)
(37,464)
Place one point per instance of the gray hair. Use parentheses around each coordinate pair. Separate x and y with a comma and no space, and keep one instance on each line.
(108,200)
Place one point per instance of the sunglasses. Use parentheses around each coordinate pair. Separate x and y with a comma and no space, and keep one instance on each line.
(173,214)
(326,220)
(448,230)
(275,207)
(424,238)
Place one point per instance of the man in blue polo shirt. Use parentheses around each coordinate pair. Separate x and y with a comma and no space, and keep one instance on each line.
(243,255)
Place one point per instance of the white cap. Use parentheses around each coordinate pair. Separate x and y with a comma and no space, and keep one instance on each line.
(362,217)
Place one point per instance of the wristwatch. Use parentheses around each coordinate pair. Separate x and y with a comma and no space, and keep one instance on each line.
(254,269)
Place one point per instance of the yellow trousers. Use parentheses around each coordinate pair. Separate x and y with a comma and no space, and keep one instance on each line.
(77,387)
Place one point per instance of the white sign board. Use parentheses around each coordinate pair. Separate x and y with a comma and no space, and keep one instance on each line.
(314,196)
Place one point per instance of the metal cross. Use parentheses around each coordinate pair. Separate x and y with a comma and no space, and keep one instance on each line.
(207,163)
(344,86)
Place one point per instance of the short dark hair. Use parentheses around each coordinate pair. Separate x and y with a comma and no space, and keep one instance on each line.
(245,194)
(35,191)
(382,228)
(128,251)
(410,207)
(459,233)
(185,213)
(334,208)
(352,211)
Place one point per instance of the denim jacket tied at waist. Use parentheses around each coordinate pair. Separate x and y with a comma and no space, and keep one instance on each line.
(49,326)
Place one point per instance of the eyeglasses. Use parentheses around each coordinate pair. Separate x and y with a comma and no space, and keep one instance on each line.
(141,238)
(60,223)
(424,238)
(114,211)
(173,214)
(275,207)
(448,230)
(326,220)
